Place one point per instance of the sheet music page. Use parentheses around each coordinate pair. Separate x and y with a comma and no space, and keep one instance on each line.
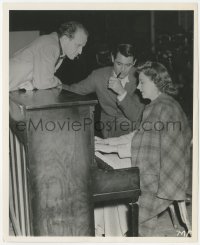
(113,160)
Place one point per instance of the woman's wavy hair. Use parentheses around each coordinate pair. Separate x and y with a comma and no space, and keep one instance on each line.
(159,74)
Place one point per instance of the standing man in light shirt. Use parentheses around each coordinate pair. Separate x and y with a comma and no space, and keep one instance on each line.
(34,66)
(115,87)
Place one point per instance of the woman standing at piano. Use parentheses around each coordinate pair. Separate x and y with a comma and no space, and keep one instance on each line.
(160,147)
(34,65)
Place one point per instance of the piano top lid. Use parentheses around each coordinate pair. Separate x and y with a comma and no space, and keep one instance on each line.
(49,98)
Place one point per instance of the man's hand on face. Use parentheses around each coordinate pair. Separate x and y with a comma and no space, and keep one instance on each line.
(115,84)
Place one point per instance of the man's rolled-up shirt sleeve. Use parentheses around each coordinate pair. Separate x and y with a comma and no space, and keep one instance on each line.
(44,68)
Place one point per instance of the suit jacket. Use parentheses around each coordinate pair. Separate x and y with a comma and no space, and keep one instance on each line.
(113,112)
(35,64)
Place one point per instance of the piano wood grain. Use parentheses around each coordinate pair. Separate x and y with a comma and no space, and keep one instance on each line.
(58,139)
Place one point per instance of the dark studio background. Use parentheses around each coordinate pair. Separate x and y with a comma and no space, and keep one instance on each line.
(165,36)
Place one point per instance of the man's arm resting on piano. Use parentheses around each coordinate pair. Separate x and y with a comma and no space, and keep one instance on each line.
(66,87)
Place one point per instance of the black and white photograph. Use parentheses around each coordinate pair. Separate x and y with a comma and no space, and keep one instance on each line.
(101,134)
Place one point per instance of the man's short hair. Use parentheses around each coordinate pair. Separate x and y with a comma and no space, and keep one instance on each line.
(126,50)
(69,29)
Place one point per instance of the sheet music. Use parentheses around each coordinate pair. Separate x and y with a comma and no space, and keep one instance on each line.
(113,160)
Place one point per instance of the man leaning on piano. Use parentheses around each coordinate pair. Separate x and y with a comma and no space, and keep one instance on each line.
(34,66)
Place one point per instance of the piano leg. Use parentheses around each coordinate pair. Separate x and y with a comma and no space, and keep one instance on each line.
(134,212)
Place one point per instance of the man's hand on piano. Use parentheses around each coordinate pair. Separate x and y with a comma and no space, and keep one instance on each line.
(65,87)
(105,148)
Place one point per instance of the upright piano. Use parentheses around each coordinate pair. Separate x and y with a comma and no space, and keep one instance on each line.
(51,145)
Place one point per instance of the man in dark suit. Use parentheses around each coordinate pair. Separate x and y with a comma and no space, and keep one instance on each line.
(115,87)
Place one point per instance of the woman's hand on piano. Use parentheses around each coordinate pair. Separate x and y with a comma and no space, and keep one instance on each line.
(105,148)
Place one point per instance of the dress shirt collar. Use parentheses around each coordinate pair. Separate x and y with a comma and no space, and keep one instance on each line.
(123,80)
